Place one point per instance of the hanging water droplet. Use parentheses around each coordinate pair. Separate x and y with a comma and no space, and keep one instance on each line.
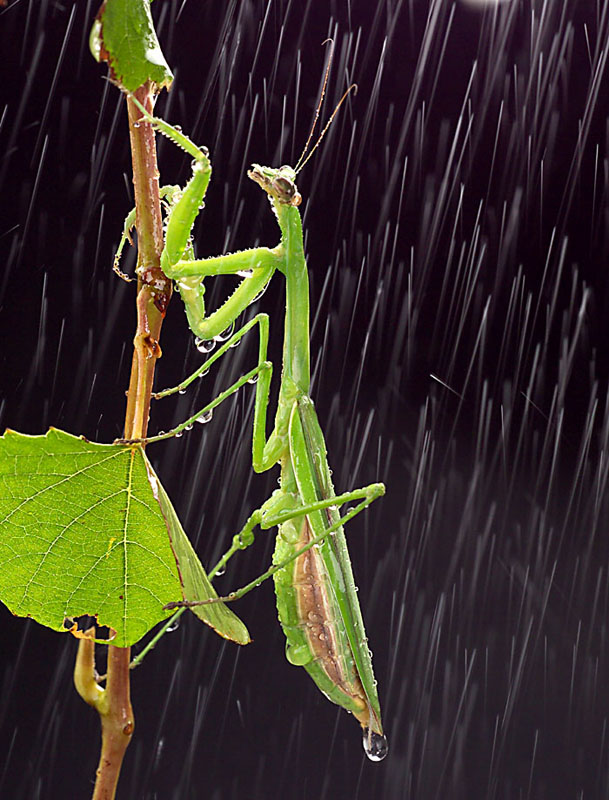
(226,334)
(253,379)
(178,434)
(375,745)
(245,273)
(220,572)
(188,427)
(136,124)
(204,345)
(174,626)
(95,40)
(259,295)
(206,417)
(181,391)
(298,654)
(236,343)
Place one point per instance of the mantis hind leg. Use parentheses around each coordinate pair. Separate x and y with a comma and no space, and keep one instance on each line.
(244,538)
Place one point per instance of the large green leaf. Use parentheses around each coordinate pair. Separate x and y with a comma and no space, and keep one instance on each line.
(87,529)
(123,35)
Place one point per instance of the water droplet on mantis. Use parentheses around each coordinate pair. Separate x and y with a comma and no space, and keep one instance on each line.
(206,417)
(181,391)
(173,627)
(226,334)
(245,273)
(375,745)
(253,379)
(298,654)
(259,295)
(204,345)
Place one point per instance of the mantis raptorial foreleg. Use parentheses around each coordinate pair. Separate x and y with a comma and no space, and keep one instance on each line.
(170,195)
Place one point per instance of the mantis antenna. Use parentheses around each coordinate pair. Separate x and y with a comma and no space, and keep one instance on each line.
(300,163)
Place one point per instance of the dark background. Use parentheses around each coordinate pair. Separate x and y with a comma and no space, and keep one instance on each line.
(456,221)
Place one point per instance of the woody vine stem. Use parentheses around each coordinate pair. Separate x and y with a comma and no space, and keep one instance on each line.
(113,702)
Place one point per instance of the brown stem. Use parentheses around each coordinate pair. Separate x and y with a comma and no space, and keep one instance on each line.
(153,294)
(116,721)
(154,289)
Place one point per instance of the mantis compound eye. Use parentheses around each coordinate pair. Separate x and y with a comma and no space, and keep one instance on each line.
(285,190)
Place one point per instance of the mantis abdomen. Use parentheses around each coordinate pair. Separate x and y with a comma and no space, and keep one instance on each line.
(316,596)
(311,621)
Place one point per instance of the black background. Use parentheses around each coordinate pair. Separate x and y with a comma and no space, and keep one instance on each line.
(456,226)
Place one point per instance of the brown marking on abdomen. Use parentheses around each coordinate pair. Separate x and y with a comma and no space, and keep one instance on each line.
(315,613)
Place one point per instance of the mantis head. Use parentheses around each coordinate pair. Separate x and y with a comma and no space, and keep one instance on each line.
(279,184)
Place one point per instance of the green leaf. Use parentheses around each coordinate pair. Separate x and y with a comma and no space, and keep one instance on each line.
(87,529)
(123,35)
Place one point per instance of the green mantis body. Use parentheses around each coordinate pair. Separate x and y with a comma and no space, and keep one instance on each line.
(316,594)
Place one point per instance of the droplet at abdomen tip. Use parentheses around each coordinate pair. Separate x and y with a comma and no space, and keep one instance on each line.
(376,745)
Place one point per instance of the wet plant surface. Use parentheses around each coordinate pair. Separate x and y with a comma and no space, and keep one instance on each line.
(456,232)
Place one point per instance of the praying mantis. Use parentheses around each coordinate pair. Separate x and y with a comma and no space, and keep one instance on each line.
(317,601)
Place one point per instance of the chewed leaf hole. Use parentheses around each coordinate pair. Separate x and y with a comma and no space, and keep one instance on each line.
(86,627)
